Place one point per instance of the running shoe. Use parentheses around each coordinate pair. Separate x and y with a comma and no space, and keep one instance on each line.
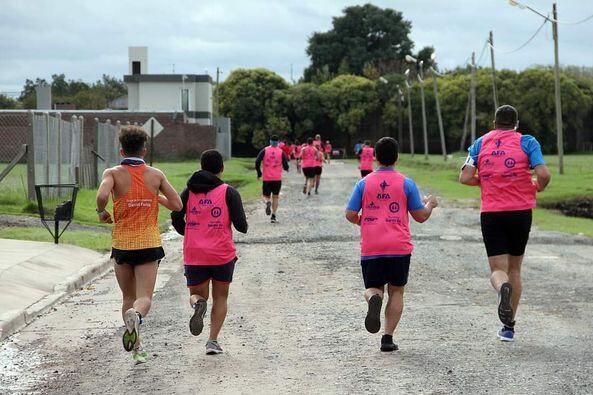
(132,332)
(304,190)
(387,344)
(213,348)
(268,208)
(316,192)
(273,219)
(505,311)
(373,319)
(139,354)
(196,323)
(506,334)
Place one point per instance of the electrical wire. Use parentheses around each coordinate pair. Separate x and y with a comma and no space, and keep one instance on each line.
(523,45)
(574,23)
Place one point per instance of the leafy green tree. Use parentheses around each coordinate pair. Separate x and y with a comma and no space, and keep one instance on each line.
(363,35)
(246,96)
(7,103)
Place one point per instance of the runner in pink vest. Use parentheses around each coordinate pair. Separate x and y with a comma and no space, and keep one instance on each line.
(380,204)
(297,155)
(505,159)
(367,159)
(319,158)
(328,152)
(209,256)
(274,160)
(309,155)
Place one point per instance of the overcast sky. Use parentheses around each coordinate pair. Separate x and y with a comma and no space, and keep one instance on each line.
(85,39)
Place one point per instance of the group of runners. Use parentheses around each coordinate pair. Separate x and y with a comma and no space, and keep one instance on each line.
(381,203)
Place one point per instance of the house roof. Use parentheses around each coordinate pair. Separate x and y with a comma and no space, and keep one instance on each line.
(167,78)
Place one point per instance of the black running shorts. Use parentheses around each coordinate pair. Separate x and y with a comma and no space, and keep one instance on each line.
(506,232)
(377,272)
(309,172)
(271,187)
(318,170)
(137,257)
(198,274)
(364,173)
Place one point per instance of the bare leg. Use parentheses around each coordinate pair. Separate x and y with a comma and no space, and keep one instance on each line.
(373,291)
(145,275)
(124,274)
(317,182)
(515,280)
(198,292)
(499,267)
(310,184)
(394,308)
(220,294)
(275,201)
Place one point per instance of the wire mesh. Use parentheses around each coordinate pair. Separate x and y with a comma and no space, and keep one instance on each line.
(107,146)
(13,135)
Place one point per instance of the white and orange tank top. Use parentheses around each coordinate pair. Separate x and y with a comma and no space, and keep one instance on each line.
(208,236)
(135,215)
(505,176)
(384,223)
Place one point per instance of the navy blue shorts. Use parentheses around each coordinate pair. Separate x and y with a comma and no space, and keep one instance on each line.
(377,272)
(198,274)
(137,257)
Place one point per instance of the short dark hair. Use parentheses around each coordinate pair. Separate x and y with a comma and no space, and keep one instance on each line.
(310,140)
(367,142)
(506,116)
(132,139)
(274,137)
(211,160)
(386,151)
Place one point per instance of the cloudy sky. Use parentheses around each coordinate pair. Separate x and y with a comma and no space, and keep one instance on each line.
(85,39)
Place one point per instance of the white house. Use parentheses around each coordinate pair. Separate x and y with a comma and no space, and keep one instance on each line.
(188,93)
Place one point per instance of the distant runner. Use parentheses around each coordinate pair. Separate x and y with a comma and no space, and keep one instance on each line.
(358,148)
(209,208)
(136,241)
(319,159)
(274,161)
(317,143)
(328,152)
(296,153)
(309,154)
(505,158)
(385,197)
(367,159)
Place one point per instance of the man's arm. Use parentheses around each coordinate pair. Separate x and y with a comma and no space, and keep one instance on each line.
(178,217)
(236,211)
(103,192)
(285,161)
(171,200)
(543,177)
(468,176)
(258,160)
(421,215)
(353,217)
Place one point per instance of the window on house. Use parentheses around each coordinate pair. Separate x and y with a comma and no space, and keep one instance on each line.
(136,68)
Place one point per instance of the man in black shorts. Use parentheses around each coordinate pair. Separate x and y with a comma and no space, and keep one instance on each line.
(309,155)
(274,160)
(505,159)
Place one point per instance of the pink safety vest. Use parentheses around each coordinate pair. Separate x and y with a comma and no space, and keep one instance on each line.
(384,223)
(208,236)
(308,154)
(319,158)
(367,158)
(505,177)
(328,149)
(272,170)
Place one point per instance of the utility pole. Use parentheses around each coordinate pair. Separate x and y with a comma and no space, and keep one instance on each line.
(410,126)
(473,97)
(217,100)
(400,133)
(494,94)
(559,137)
(440,118)
(424,131)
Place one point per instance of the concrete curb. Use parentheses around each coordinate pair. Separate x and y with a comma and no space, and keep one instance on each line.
(21,319)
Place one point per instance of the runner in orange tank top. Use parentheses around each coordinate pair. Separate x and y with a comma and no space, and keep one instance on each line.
(136,242)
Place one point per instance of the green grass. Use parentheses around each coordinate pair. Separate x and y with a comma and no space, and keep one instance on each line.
(13,200)
(436,175)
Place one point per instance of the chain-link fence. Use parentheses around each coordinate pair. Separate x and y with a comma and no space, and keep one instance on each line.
(13,140)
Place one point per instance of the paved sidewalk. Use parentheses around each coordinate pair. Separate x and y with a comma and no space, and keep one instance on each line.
(35,275)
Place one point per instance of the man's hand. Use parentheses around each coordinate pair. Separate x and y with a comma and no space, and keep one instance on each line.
(105,217)
(431,200)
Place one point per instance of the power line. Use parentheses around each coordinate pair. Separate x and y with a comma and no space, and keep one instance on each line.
(524,44)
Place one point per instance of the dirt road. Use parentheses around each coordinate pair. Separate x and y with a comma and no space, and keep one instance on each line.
(296,315)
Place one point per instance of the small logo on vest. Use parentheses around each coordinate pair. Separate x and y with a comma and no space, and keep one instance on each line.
(488,163)
(372,206)
(510,163)
(498,153)
(383,195)
(205,201)
(216,212)
(394,207)
(498,143)
(194,210)
(370,219)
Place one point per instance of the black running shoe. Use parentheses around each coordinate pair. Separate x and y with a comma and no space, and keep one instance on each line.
(305,190)
(316,192)
(273,219)
(268,208)
(505,310)
(372,321)
(387,344)
(196,323)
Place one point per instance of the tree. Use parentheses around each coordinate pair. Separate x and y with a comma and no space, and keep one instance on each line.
(362,35)
(7,103)
(246,96)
